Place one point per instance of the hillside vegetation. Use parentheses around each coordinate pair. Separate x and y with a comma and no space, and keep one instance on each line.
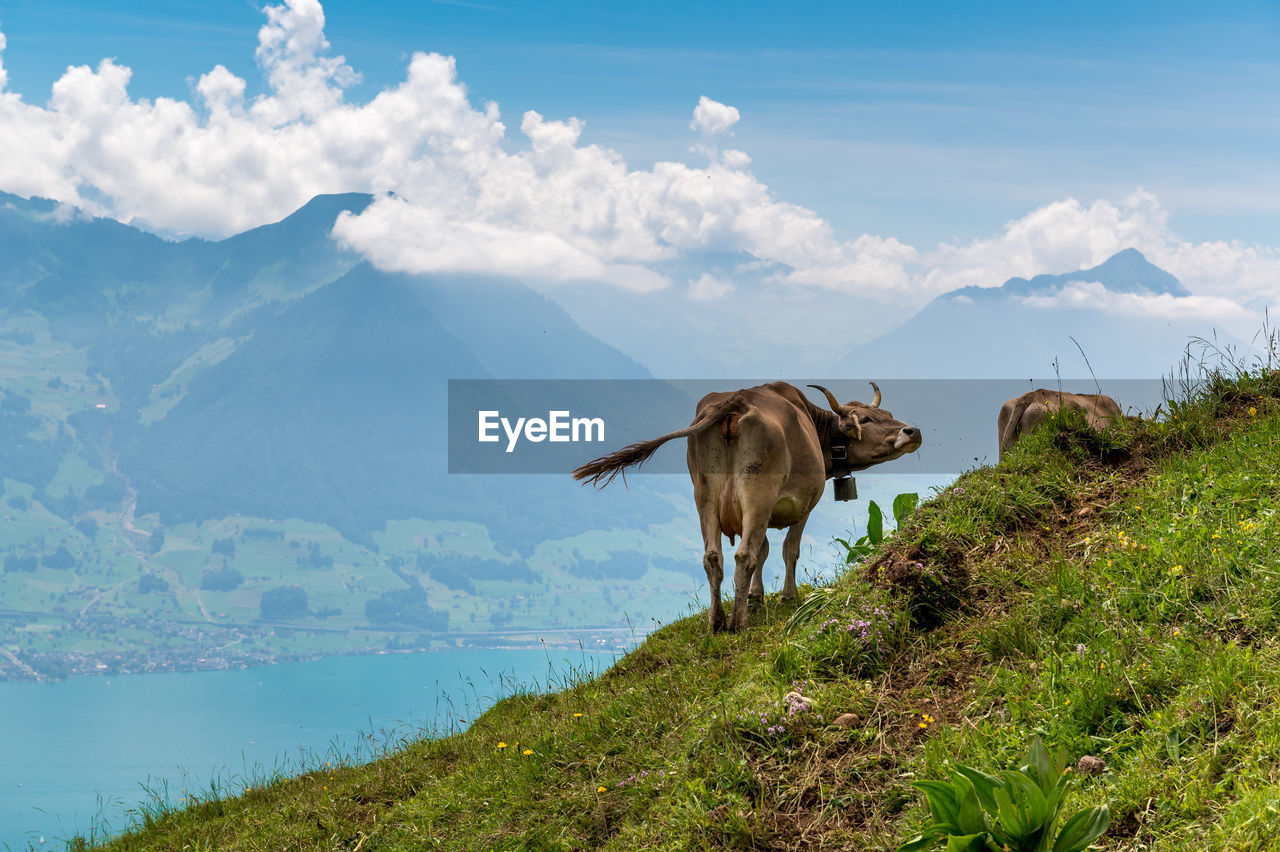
(1116,594)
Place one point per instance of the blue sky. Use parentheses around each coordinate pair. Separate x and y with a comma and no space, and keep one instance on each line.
(894,149)
(926,121)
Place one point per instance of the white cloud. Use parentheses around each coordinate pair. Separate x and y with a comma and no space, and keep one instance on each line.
(560,210)
(708,287)
(1094,295)
(291,50)
(1059,237)
(443,243)
(1066,235)
(712,117)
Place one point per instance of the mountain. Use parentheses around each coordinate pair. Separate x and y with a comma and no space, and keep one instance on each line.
(187,426)
(1030,328)
(1124,272)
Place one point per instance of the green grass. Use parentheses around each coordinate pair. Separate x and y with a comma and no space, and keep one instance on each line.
(1117,594)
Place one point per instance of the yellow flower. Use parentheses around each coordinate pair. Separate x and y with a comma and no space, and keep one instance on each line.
(1253,412)
(600,789)
(502,744)
(577,715)
(527,751)
(1177,569)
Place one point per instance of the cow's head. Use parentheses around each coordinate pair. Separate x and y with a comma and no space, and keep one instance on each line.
(873,435)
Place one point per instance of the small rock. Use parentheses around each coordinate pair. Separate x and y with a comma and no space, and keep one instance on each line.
(797,698)
(847,720)
(1090,765)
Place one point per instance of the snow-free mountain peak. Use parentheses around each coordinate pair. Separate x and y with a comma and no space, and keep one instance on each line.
(1127,271)
(1022,329)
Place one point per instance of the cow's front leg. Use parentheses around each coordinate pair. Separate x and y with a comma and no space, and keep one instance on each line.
(756,593)
(791,555)
(746,562)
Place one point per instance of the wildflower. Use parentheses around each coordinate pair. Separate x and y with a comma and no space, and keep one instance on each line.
(577,715)
(1177,569)
(1253,412)
(601,789)
(501,744)
(527,752)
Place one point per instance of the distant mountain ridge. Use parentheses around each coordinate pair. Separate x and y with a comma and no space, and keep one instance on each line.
(280,375)
(1023,329)
(1127,271)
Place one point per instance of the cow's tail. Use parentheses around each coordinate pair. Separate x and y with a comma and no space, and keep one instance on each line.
(602,471)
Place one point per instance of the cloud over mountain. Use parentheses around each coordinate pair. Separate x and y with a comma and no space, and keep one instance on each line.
(456,193)
(1095,295)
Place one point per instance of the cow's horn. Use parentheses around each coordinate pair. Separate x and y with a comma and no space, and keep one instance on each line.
(875,403)
(831,398)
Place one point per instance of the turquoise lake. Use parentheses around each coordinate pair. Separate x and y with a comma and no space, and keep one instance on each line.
(76,754)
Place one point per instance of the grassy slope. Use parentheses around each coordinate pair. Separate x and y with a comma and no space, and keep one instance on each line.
(1117,595)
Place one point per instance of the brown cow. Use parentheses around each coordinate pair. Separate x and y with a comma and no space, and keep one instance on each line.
(1022,414)
(759,458)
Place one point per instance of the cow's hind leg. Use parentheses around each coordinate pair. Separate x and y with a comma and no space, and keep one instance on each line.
(755,594)
(747,561)
(713,564)
(791,555)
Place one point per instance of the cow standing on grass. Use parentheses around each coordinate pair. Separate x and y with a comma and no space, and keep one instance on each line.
(1026,413)
(759,458)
